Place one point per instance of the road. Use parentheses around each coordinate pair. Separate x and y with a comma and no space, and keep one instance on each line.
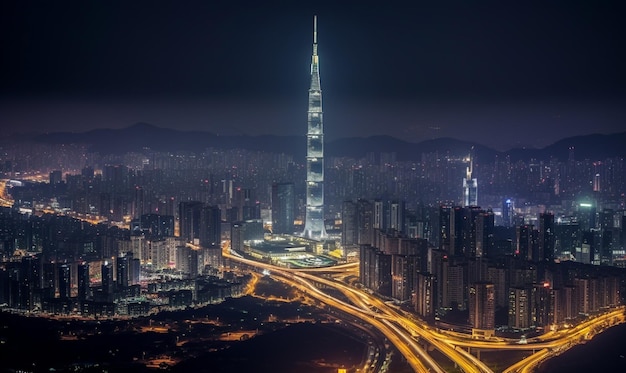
(5,199)
(410,335)
(366,307)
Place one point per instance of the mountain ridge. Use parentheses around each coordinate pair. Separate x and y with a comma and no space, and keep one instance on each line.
(144,135)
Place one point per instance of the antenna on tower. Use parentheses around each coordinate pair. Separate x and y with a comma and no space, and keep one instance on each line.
(314,29)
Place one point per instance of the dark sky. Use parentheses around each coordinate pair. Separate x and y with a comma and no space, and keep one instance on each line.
(501,73)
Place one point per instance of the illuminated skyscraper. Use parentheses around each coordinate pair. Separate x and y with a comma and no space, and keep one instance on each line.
(470,185)
(507,213)
(314,223)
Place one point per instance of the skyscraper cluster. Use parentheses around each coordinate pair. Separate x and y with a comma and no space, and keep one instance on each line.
(473,270)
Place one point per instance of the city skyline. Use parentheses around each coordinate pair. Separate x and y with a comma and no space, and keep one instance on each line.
(150,244)
(478,73)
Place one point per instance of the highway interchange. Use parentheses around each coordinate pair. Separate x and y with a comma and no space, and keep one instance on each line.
(411,336)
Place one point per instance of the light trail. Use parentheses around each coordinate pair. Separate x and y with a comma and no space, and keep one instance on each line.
(367,316)
(401,327)
(396,336)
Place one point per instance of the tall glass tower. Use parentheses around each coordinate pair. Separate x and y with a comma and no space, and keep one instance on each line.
(314,223)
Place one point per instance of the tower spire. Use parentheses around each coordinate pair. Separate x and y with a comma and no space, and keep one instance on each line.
(314,57)
(314,29)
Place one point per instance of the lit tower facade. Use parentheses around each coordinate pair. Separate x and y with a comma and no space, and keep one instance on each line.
(314,223)
(470,185)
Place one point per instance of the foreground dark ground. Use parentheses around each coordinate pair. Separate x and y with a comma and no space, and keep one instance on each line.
(242,334)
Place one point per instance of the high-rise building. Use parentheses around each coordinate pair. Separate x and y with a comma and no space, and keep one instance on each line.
(546,237)
(424,295)
(485,234)
(609,237)
(585,253)
(30,280)
(403,269)
(470,184)
(135,270)
(245,204)
(507,213)
(497,276)
(379,214)
(210,226)
(349,226)
(65,281)
(283,207)
(154,226)
(201,222)
(526,240)
(396,215)
(375,270)
(623,231)
(187,260)
(586,215)
(540,302)
(161,252)
(482,306)
(121,274)
(56,177)
(314,221)
(365,222)
(48,284)
(456,231)
(453,289)
(568,237)
(519,307)
(189,220)
(469,217)
(83,281)
(444,228)
(108,285)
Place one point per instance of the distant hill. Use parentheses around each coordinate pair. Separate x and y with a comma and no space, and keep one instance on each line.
(359,147)
(142,135)
(594,147)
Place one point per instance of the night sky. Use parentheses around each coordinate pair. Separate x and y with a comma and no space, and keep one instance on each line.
(500,73)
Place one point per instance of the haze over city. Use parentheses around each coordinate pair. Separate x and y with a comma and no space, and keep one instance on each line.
(145,223)
(500,74)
